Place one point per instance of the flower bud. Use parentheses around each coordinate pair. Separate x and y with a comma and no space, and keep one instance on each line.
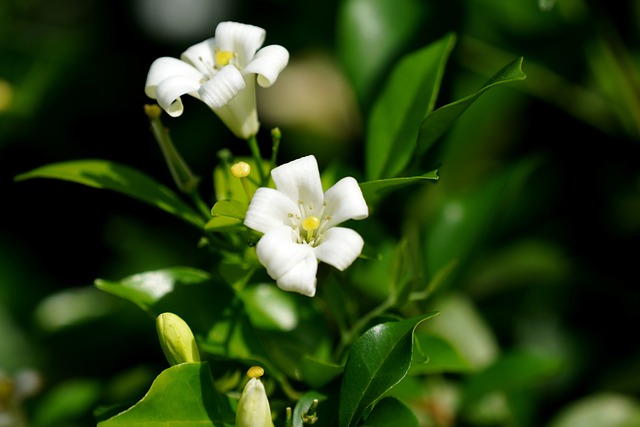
(253,408)
(176,339)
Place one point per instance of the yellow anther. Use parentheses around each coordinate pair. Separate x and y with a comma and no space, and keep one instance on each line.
(223,57)
(255,372)
(311,223)
(240,170)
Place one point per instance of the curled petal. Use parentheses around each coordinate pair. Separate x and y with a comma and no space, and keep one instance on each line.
(292,265)
(164,68)
(242,39)
(268,210)
(170,90)
(222,87)
(268,64)
(345,201)
(340,247)
(202,56)
(300,180)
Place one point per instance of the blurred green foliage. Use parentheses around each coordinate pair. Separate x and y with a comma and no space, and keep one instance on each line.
(538,199)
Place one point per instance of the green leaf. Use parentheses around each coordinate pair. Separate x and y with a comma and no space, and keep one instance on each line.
(370,35)
(230,208)
(437,122)
(187,292)
(219,223)
(409,95)
(373,191)
(124,179)
(391,412)
(181,396)
(378,360)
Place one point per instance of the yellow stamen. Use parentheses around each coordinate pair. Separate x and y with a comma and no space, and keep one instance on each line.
(310,224)
(255,372)
(223,57)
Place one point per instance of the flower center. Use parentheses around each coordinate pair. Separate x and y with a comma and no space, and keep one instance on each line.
(309,224)
(223,58)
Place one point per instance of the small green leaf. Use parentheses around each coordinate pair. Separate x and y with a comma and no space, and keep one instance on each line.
(437,122)
(373,191)
(230,208)
(108,175)
(391,412)
(181,396)
(378,360)
(409,95)
(219,223)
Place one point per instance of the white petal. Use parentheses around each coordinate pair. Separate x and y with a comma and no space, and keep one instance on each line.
(169,91)
(345,201)
(279,253)
(300,180)
(240,113)
(222,87)
(340,247)
(268,209)
(202,56)
(242,39)
(268,63)
(165,67)
(301,278)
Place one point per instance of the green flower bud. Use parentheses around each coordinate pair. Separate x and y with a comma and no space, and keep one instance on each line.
(253,408)
(176,339)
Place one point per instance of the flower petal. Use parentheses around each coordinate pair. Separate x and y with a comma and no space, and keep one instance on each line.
(301,278)
(340,247)
(300,180)
(202,56)
(345,201)
(222,87)
(268,210)
(268,63)
(292,265)
(242,39)
(169,91)
(166,67)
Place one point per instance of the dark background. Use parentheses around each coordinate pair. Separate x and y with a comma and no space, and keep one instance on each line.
(78,69)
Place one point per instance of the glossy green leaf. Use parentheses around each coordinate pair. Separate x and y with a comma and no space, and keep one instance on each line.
(219,223)
(378,360)
(124,179)
(370,35)
(391,412)
(408,96)
(373,191)
(181,396)
(437,122)
(189,293)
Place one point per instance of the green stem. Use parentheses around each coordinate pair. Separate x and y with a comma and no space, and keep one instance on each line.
(255,151)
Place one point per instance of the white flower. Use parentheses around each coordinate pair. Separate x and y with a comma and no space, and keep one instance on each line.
(299,224)
(220,71)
